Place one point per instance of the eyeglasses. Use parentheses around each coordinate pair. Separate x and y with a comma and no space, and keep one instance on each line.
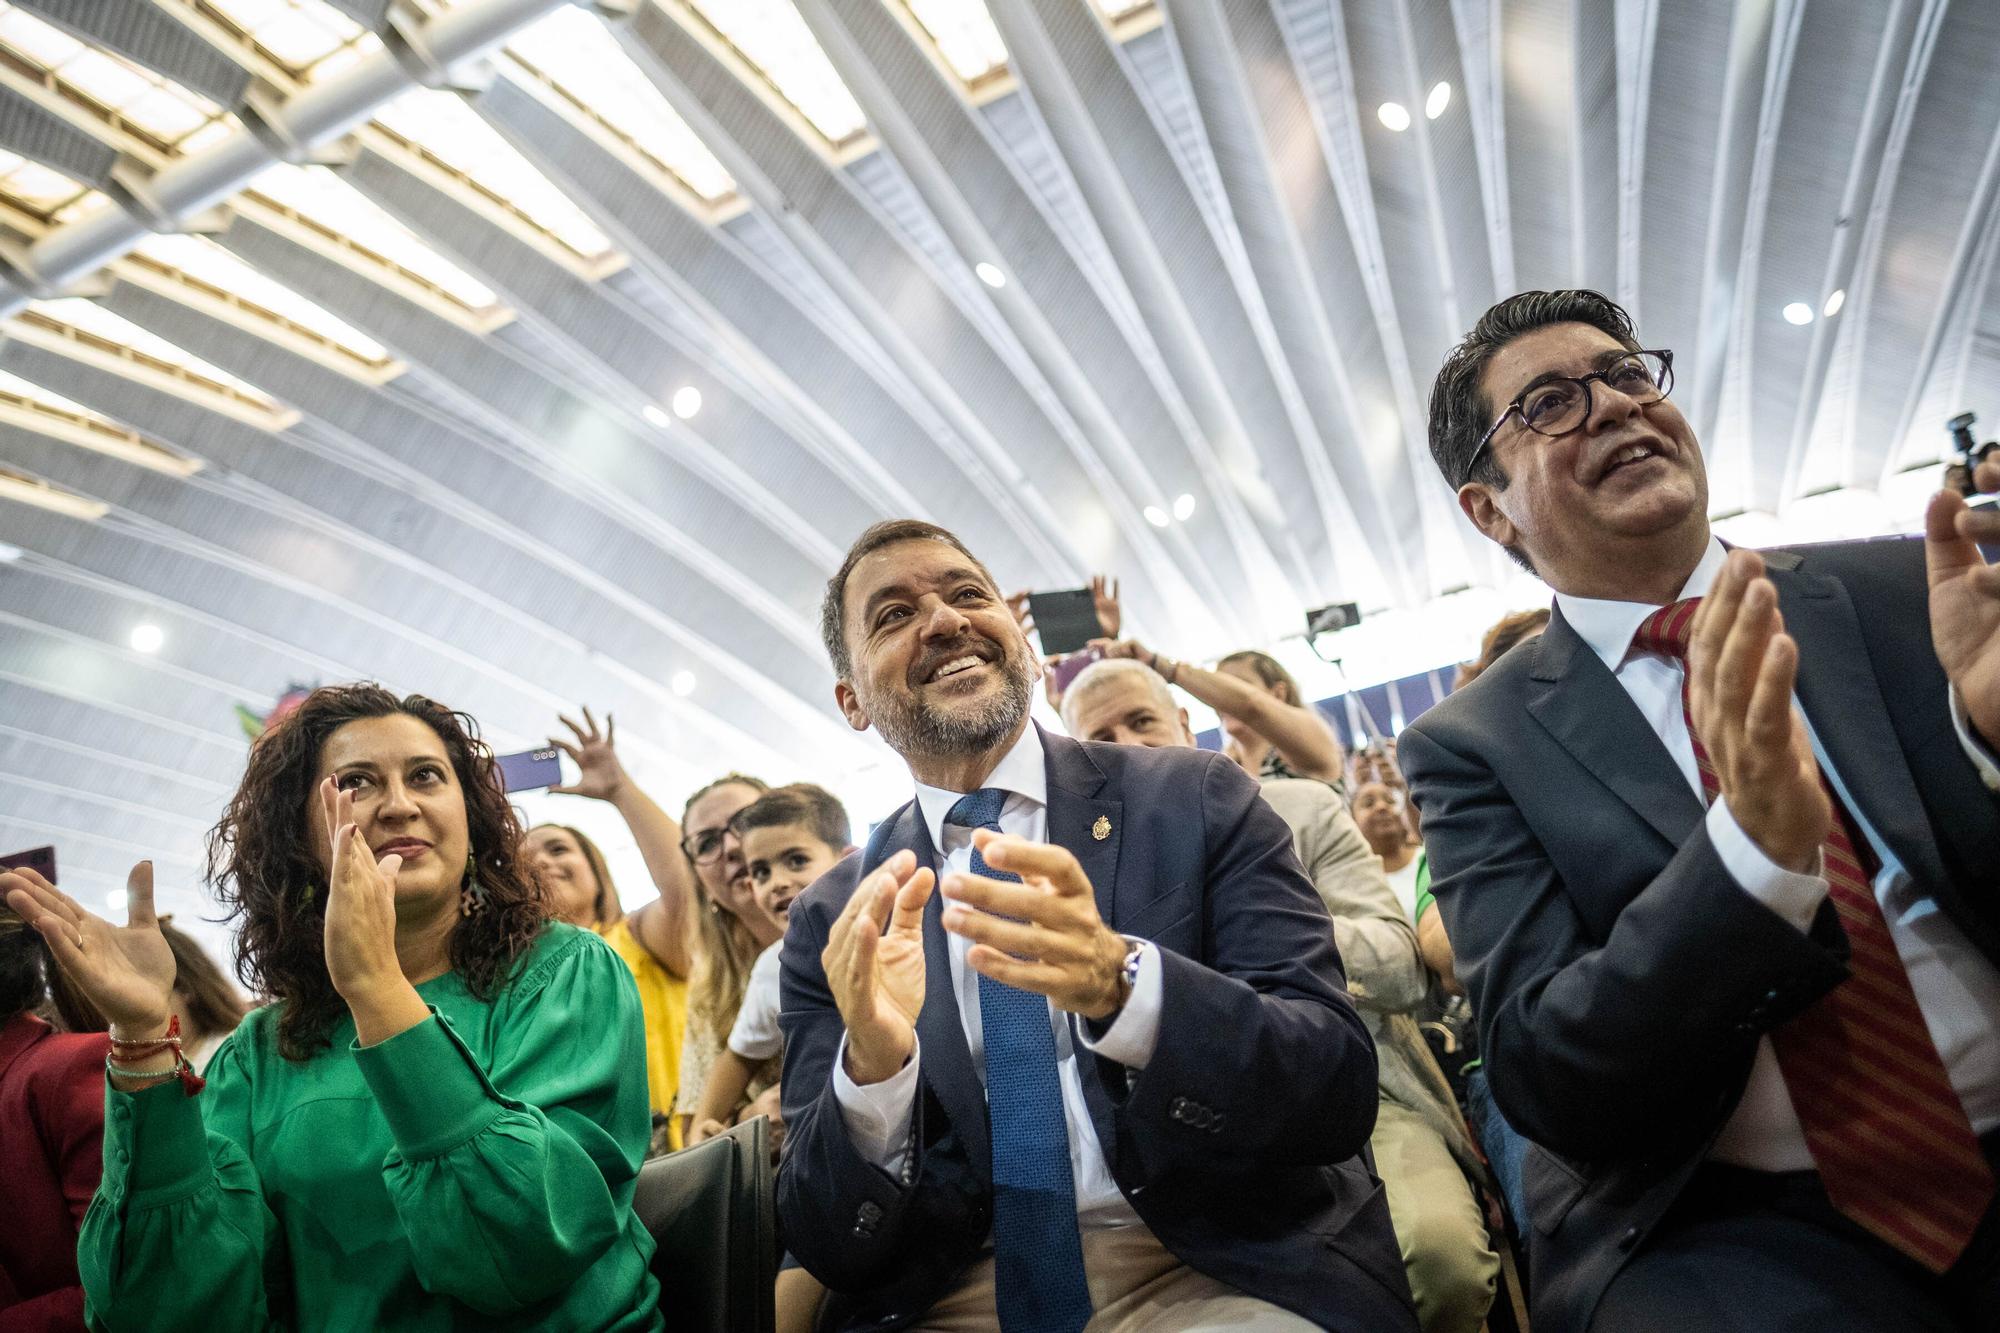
(1559,404)
(705,847)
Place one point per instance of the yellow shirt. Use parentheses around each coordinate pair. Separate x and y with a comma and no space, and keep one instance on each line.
(663,998)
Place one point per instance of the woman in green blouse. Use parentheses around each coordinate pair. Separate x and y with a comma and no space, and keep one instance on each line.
(440,1120)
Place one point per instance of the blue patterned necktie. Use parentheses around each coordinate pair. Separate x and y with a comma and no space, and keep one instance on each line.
(1038,1280)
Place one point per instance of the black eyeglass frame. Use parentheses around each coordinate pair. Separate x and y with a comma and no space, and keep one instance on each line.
(1582,382)
(721,836)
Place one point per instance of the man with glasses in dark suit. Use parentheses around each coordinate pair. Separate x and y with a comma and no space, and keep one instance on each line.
(1717,855)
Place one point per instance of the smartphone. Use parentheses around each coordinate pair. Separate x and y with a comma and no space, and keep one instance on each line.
(530,769)
(41,860)
(1066,620)
(1073,666)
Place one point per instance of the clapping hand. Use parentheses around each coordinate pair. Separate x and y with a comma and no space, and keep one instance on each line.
(1965,599)
(599,774)
(877,974)
(126,971)
(1042,934)
(1741,669)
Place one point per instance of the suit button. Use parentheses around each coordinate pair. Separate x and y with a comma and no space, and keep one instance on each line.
(1176,1106)
(1628,1238)
(1215,1125)
(869,1214)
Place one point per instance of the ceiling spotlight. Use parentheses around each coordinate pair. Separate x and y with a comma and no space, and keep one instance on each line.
(990,274)
(9,554)
(115,900)
(1439,99)
(657,415)
(1395,115)
(682,683)
(1798,312)
(1184,508)
(147,638)
(1834,302)
(686,401)
(1157,516)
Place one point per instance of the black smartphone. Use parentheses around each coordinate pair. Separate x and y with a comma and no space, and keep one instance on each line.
(530,769)
(1066,620)
(41,860)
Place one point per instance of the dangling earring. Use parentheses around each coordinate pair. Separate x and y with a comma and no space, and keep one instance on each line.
(471,893)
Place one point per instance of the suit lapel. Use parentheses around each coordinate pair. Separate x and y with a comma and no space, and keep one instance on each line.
(1078,809)
(1574,696)
(1838,687)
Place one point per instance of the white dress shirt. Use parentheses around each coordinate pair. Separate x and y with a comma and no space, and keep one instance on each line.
(1956,987)
(878,1117)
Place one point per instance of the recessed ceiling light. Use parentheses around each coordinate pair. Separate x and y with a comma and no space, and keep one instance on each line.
(657,415)
(1439,99)
(147,638)
(1834,302)
(1798,312)
(1157,516)
(1184,508)
(115,900)
(9,554)
(990,274)
(1395,115)
(682,683)
(687,401)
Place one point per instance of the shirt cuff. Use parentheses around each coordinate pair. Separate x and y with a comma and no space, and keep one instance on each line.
(878,1116)
(1793,896)
(1982,758)
(1135,1030)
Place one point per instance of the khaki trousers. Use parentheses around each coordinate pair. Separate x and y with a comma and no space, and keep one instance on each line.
(1447,1254)
(1136,1286)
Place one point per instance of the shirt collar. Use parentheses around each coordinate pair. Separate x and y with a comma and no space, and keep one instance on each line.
(1608,626)
(1020,772)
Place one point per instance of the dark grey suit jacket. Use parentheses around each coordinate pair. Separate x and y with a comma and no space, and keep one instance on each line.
(1621,978)
(1237,1144)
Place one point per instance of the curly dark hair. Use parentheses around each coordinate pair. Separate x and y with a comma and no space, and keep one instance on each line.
(262,868)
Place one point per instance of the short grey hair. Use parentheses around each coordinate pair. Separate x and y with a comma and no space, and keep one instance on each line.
(1098,675)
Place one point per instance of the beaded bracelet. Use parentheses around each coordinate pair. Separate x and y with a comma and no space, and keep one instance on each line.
(124,1052)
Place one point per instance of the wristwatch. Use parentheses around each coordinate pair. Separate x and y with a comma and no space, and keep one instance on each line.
(1129,973)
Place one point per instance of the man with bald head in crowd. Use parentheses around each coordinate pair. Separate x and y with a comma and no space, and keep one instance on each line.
(1419,1141)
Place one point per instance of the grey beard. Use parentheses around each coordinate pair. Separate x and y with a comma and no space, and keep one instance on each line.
(912,728)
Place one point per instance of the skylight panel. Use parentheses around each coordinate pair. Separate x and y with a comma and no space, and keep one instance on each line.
(1118,9)
(120,335)
(965,36)
(439,125)
(775,41)
(109,86)
(215,268)
(572,52)
(300,35)
(34,188)
(49,412)
(343,214)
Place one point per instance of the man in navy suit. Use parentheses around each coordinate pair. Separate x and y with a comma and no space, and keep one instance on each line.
(1717,855)
(1107,1074)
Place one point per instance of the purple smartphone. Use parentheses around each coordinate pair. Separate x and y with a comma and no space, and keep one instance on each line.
(529,769)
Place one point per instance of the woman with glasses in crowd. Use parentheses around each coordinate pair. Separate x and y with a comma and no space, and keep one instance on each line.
(654,940)
(731,931)
(439,1119)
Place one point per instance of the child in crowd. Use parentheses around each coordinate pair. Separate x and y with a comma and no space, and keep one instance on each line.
(790,837)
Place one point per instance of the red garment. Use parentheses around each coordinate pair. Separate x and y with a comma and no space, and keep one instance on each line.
(51,1155)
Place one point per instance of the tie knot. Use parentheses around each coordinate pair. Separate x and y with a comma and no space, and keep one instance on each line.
(1666,631)
(977,809)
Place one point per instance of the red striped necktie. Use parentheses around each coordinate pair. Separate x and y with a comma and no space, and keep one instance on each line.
(1894,1148)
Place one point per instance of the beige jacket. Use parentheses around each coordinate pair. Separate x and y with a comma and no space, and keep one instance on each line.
(1378,948)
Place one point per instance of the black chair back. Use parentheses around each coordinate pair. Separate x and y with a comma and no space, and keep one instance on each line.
(712,1212)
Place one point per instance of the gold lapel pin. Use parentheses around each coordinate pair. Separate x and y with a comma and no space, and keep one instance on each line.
(1102,828)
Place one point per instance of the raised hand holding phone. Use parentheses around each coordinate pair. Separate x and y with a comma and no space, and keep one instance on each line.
(126,971)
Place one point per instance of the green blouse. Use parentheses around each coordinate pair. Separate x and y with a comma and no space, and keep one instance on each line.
(474,1171)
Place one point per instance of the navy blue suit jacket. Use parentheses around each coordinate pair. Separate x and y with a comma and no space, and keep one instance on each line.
(1621,977)
(1237,1145)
